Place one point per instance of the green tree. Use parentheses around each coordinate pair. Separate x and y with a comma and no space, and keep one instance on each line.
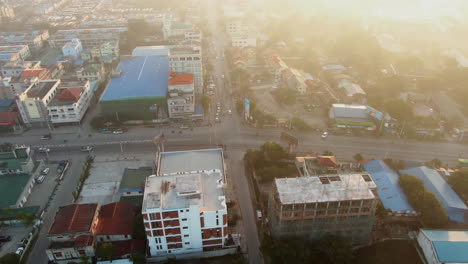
(434,163)
(138,258)
(10,258)
(336,249)
(358,157)
(274,151)
(240,260)
(206,102)
(399,109)
(138,227)
(6,147)
(26,218)
(300,124)
(84,260)
(327,153)
(255,159)
(285,96)
(106,251)
(459,182)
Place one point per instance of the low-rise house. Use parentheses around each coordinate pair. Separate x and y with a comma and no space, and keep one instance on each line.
(353,91)
(91,72)
(115,222)
(351,116)
(181,96)
(106,52)
(73,48)
(34,39)
(70,103)
(14,54)
(64,252)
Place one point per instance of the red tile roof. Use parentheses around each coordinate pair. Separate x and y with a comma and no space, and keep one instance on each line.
(127,247)
(184,78)
(85,240)
(32,72)
(326,160)
(73,218)
(116,219)
(70,94)
(8,118)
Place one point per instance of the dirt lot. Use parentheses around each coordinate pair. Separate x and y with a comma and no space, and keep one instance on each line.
(266,102)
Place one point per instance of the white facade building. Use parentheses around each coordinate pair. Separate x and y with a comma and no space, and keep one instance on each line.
(70,103)
(34,101)
(73,49)
(243,40)
(181,99)
(184,206)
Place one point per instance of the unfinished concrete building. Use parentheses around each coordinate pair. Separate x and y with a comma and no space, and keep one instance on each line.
(312,207)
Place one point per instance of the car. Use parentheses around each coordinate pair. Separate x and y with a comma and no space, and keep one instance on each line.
(222,75)
(45,171)
(117,132)
(46,137)
(23,242)
(183,127)
(40,179)
(217,120)
(44,150)
(5,238)
(19,251)
(86,149)
(229,112)
(324,134)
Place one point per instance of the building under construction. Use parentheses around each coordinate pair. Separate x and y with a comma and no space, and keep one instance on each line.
(314,206)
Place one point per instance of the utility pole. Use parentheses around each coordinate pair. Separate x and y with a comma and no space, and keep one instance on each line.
(121,147)
(402,127)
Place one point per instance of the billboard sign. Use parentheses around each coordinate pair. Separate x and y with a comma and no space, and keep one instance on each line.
(246,108)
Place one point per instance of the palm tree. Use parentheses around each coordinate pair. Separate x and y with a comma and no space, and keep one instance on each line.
(358,157)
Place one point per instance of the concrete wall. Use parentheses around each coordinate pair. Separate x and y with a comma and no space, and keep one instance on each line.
(194,255)
(428,250)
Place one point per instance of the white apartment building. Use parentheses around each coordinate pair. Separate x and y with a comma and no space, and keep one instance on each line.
(70,102)
(243,40)
(184,206)
(181,99)
(34,101)
(91,72)
(72,48)
(14,53)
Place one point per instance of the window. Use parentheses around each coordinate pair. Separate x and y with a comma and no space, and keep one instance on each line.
(185,227)
(184,219)
(186,235)
(187,243)
(58,254)
(81,252)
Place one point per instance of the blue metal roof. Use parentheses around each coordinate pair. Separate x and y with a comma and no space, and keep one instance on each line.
(6,102)
(141,77)
(454,206)
(449,245)
(389,190)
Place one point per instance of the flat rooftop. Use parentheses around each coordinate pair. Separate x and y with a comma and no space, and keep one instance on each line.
(181,191)
(11,187)
(145,76)
(40,89)
(134,179)
(449,245)
(190,161)
(312,189)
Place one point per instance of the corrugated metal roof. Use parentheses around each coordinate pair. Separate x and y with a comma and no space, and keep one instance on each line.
(116,219)
(389,191)
(449,245)
(141,77)
(350,111)
(455,207)
(73,218)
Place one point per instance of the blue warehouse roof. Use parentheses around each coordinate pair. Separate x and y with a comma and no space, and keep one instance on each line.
(454,206)
(389,190)
(141,77)
(449,245)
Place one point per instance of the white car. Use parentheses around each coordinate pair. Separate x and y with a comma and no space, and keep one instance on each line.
(40,179)
(86,149)
(45,171)
(117,132)
(217,120)
(229,112)
(19,251)
(43,150)
(324,134)
(184,127)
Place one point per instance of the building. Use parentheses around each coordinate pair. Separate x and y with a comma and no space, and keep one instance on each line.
(444,246)
(89,37)
(456,209)
(133,181)
(312,207)
(353,91)
(182,59)
(242,40)
(14,69)
(115,222)
(390,193)
(34,39)
(6,11)
(14,54)
(73,48)
(181,96)
(70,103)
(34,101)
(106,53)
(91,72)
(17,171)
(351,116)
(71,233)
(148,78)
(184,206)
(17,85)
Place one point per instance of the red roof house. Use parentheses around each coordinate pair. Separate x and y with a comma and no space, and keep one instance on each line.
(33,72)
(115,219)
(74,218)
(179,79)
(69,94)
(326,160)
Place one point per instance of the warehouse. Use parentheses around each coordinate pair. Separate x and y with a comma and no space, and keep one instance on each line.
(138,88)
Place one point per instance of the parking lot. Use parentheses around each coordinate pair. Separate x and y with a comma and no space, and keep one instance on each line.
(16,234)
(41,192)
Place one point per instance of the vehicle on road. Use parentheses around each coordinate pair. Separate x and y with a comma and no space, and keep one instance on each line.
(117,132)
(45,171)
(222,76)
(5,238)
(259,215)
(40,179)
(324,134)
(46,137)
(19,251)
(44,150)
(184,127)
(229,112)
(217,120)
(86,149)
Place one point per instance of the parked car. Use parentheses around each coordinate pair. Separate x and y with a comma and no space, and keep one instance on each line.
(86,149)
(46,137)
(325,134)
(229,112)
(184,127)
(19,251)
(117,132)
(45,171)
(40,179)
(44,150)
(217,120)
(5,238)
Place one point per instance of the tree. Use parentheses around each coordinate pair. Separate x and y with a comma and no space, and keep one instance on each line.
(10,258)
(358,157)
(255,159)
(137,258)
(26,218)
(106,251)
(434,163)
(285,96)
(240,260)
(336,249)
(84,260)
(138,228)
(300,124)
(6,147)
(274,151)
(206,102)
(459,182)
(327,153)
(399,109)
